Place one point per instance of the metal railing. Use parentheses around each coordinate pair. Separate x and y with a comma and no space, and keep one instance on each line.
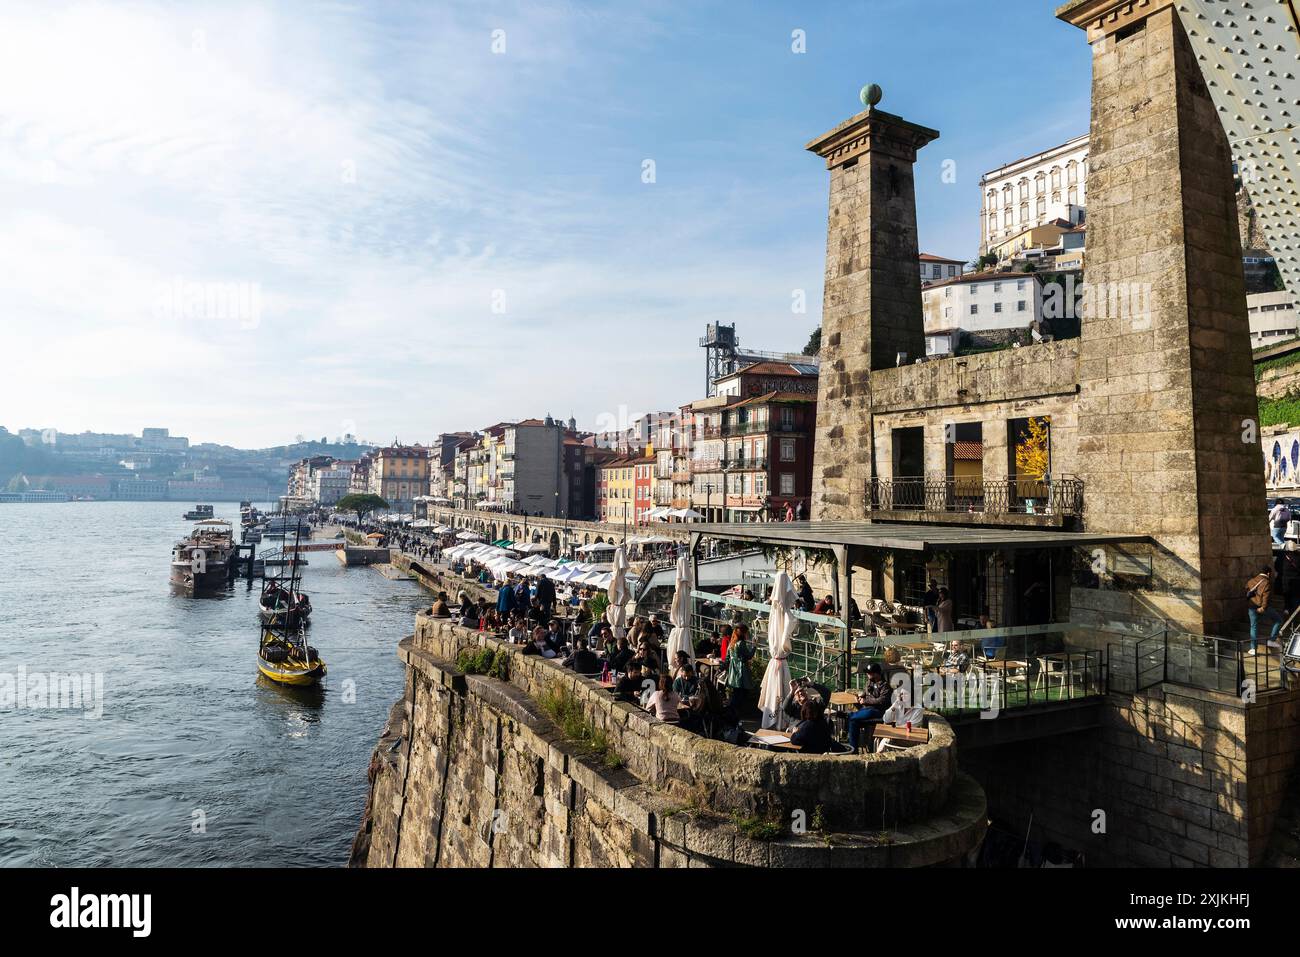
(744,463)
(1061,495)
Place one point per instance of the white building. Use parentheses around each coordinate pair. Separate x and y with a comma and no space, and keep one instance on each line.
(991,308)
(936,268)
(1272,318)
(1033,191)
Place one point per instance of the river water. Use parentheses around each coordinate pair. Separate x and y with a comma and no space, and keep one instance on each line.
(196,760)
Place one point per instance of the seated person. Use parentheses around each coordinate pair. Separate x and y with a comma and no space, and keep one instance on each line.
(956,660)
(710,646)
(583,660)
(597,627)
(825,607)
(813,736)
(618,658)
(871,703)
(555,637)
(685,684)
(439,608)
(800,691)
(539,645)
(517,633)
(664,701)
(648,658)
(630,683)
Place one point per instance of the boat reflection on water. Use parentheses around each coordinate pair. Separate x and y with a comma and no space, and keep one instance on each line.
(311,697)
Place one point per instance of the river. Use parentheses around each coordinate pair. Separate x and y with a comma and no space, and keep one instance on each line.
(195,760)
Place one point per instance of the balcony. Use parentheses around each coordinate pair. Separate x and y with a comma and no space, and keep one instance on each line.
(1055,501)
(705,465)
(709,432)
(684,476)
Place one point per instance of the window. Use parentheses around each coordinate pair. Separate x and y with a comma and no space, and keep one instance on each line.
(787,450)
(974,309)
(1042,206)
(787,483)
(997,287)
(1020,306)
(997,307)
(1020,285)
(787,417)
(952,271)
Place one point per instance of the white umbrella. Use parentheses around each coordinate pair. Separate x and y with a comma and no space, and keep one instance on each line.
(616,613)
(781,626)
(679,639)
(468,536)
(597,547)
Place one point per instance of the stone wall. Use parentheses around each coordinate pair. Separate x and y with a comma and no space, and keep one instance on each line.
(1165,391)
(471,772)
(1181,777)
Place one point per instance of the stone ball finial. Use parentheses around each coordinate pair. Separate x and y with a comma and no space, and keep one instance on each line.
(871,95)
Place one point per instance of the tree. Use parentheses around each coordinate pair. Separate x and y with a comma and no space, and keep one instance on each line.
(814,345)
(1031,448)
(363,504)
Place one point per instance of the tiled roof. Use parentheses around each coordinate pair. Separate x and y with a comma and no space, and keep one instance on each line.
(931,258)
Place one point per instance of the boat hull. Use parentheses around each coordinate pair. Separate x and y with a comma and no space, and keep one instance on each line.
(213,580)
(287,673)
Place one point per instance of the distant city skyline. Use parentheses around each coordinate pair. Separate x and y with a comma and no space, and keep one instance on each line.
(265,221)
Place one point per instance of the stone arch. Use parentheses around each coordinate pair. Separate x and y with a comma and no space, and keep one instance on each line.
(555,545)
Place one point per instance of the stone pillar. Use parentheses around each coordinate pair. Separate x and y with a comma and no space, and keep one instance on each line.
(1167,436)
(872,305)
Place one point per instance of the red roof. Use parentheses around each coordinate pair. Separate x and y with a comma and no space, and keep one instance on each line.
(768,367)
(931,258)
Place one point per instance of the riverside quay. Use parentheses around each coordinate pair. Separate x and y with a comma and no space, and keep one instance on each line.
(1093,685)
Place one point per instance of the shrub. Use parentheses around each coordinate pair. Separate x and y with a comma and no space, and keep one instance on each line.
(484,661)
(563,707)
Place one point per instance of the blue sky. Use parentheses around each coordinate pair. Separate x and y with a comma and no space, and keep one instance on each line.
(432,235)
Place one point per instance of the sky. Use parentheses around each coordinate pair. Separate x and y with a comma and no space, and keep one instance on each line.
(250,221)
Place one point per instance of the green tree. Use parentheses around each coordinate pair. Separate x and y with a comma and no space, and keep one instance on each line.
(363,504)
(814,345)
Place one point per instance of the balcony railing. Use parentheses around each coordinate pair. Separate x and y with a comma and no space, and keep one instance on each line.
(1059,495)
(745,464)
(751,427)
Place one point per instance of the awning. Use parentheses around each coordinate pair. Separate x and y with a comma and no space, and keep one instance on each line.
(906,537)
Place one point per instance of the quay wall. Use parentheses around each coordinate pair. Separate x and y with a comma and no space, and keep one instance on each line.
(471,771)
(1175,777)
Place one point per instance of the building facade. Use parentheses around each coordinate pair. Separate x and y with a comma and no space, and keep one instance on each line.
(1033,191)
(399,474)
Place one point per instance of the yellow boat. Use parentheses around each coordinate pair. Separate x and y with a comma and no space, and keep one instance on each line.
(289,660)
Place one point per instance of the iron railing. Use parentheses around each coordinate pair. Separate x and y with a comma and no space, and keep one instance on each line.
(1058,495)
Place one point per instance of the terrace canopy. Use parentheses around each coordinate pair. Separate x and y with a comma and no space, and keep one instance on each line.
(864,543)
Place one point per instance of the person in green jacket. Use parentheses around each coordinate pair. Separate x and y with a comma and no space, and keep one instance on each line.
(738,677)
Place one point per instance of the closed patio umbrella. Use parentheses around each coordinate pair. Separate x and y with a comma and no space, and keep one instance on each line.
(616,613)
(679,639)
(781,626)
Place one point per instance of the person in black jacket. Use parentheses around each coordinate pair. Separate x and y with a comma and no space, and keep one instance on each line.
(871,704)
(813,736)
(619,658)
(546,597)
(583,660)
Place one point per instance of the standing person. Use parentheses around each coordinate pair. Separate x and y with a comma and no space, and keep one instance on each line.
(943,612)
(506,599)
(805,592)
(789,512)
(1259,592)
(738,677)
(930,599)
(546,596)
(1278,516)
